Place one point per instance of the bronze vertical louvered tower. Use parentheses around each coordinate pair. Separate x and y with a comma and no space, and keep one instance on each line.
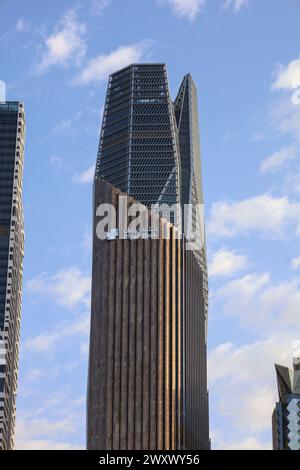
(135,379)
(149,149)
(12,141)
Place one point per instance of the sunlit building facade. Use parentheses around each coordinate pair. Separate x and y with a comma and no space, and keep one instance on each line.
(12,137)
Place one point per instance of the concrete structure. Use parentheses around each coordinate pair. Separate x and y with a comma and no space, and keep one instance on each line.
(286,415)
(149,149)
(12,136)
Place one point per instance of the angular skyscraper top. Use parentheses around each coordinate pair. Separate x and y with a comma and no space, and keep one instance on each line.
(12,137)
(186,112)
(138,151)
(187,119)
(286,416)
(149,149)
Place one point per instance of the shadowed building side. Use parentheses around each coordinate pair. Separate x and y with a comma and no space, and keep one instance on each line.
(196,422)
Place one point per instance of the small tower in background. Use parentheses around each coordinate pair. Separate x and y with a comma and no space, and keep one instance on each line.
(286,415)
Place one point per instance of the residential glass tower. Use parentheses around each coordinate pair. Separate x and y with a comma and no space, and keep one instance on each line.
(12,135)
(149,149)
(286,415)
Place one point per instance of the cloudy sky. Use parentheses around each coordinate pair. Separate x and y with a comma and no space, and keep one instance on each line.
(244,58)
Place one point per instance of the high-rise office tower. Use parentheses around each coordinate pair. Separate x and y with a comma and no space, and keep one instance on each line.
(285,419)
(196,423)
(149,149)
(12,135)
(135,377)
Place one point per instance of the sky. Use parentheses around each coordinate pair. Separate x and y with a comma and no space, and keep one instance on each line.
(244,56)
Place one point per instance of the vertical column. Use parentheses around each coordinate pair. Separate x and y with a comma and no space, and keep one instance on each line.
(97,405)
(139,345)
(167,342)
(117,346)
(131,345)
(146,346)
(125,344)
(173,348)
(110,339)
(160,360)
(179,356)
(154,343)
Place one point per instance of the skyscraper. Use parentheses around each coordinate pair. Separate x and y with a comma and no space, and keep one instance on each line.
(135,378)
(149,149)
(12,135)
(195,273)
(138,151)
(285,419)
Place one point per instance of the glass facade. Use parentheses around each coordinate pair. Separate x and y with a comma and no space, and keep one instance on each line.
(293,419)
(138,150)
(286,415)
(12,134)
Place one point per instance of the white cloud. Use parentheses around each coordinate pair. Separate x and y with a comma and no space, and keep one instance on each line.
(278,159)
(285,117)
(288,78)
(257,301)
(2,91)
(296,97)
(225,263)
(48,340)
(66,45)
(246,374)
(86,176)
(67,125)
(241,363)
(222,442)
(190,9)
(47,427)
(84,348)
(285,114)
(36,374)
(235,4)
(185,8)
(230,136)
(256,411)
(24,442)
(264,214)
(258,136)
(295,263)
(102,66)
(69,287)
(98,6)
(22,26)
(55,161)
(51,426)
(87,239)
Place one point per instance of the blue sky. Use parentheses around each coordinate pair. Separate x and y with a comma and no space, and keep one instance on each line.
(244,58)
